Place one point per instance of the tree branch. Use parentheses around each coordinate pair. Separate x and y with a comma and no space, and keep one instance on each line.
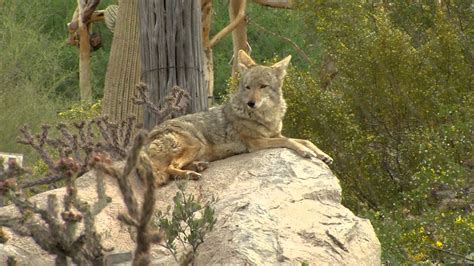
(276,3)
(232,25)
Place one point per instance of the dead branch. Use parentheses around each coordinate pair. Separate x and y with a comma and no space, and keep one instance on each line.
(38,143)
(206,9)
(138,216)
(175,103)
(275,3)
(88,9)
(97,15)
(240,18)
(80,142)
(451,253)
(54,236)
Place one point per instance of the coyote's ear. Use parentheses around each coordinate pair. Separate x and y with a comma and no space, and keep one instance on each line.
(244,61)
(280,67)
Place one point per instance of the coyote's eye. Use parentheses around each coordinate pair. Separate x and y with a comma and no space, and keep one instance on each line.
(263,86)
(247,87)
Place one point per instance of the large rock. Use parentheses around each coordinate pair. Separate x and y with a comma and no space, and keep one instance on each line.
(273,207)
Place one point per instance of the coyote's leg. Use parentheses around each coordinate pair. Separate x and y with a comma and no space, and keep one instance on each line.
(187,157)
(267,143)
(197,166)
(319,153)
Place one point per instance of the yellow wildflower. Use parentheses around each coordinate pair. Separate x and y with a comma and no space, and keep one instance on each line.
(439,244)
(458,220)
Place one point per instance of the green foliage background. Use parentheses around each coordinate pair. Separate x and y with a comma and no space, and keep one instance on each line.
(397,118)
(38,69)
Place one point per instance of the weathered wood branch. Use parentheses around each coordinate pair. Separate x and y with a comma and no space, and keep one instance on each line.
(235,21)
(73,25)
(276,3)
(97,15)
(206,10)
(88,9)
(239,34)
(84,55)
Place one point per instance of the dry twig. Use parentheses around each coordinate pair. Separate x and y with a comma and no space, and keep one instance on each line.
(60,237)
(138,216)
(175,103)
(81,141)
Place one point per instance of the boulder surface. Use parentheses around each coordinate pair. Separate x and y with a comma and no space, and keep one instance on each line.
(273,207)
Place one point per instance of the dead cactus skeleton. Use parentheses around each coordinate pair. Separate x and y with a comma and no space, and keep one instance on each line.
(58,232)
(137,216)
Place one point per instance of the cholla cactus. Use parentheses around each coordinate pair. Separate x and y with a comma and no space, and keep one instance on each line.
(174,105)
(77,149)
(80,141)
(138,216)
(58,234)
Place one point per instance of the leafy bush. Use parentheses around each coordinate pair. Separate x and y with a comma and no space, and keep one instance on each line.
(189,222)
(397,119)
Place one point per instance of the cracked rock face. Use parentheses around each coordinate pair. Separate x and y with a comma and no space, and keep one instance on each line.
(273,207)
(279,208)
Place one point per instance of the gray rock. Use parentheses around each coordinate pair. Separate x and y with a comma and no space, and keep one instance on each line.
(274,207)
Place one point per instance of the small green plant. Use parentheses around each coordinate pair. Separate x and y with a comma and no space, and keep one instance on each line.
(189,222)
(82,111)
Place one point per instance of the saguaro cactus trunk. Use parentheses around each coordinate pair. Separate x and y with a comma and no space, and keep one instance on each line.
(171,52)
(123,70)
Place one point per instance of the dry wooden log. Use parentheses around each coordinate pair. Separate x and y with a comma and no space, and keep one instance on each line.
(172,52)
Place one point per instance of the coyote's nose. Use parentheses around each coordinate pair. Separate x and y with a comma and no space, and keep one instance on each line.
(251,104)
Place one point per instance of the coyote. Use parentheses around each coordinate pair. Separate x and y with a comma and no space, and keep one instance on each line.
(251,120)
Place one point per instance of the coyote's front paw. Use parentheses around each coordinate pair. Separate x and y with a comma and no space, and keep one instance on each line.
(191,175)
(161,180)
(200,166)
(305,153)
(326,158)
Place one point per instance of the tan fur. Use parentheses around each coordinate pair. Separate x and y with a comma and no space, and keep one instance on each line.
(250,121)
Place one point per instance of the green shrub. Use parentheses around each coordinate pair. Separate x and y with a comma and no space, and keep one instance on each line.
(29,71)
(187,221)
(398,121)
(38,70)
